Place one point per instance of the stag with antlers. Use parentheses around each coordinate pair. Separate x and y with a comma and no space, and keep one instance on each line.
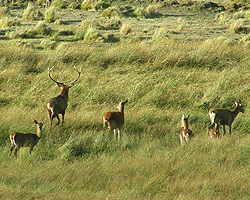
(58,104)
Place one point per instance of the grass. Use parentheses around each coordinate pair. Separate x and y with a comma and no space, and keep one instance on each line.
(32,12)
(50,15)
(162,77)
(148,162)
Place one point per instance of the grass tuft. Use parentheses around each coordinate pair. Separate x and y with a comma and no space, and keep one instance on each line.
(32,13)
(9,22)
(50,15)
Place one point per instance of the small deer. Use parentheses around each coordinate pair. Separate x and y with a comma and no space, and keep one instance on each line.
(59,104)
(186,134)
(214,132)
(224,116)
(25,140)
(115,120)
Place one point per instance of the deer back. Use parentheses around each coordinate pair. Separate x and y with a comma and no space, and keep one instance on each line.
(114,119)
(24,140)
(225,116)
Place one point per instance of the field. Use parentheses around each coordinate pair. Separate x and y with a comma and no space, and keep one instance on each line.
(168,58)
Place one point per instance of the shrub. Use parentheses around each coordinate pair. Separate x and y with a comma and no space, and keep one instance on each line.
(42,29)
(140,13)
(115,23)
(75,147)
(159,33)
(126,29)
(87,5)
(239,27)
(60,4)
(4,12)
(8,22)
(32,13)
(91,34)
(47,44)
(90,23)
(152,11)
(65,32)
(101,5)
(111,12)
(74,5)
(80,33)
(22,33)
(50,14)
(60,22)
(112,38)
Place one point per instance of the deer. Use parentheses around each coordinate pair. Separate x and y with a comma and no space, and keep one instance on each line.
(225,116)
(214,132)
(19,140)
(186,134)
(59,104)
(115,120)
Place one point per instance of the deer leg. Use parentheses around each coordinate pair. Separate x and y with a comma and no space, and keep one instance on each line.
(229,129)
(50,116)
(58,120)
(114,133)
(63,117)
(211,126)
(119,134)
(31,149)
(16,149)
(224,129)
(103,123)
(11,149)
(181,138)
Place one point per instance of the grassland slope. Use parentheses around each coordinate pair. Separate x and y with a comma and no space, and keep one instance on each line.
(162,78)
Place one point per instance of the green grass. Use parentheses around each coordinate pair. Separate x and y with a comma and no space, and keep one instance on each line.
(162,78)
(80,160)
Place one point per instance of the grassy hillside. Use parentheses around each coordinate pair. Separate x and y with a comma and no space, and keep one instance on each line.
(162,79)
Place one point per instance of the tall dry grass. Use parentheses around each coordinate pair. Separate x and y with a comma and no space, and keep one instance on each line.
(163,80)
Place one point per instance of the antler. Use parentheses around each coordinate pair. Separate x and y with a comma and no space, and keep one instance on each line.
(49,70)
(79,73)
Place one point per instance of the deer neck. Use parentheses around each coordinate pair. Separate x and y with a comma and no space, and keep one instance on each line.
(121,109)
(236,112)
(39,132)
(65,93)
(185,124)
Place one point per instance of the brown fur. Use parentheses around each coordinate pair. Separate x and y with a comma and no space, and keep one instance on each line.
(115,120)
(224,116)
(19,140)
(186,134)
(59,104)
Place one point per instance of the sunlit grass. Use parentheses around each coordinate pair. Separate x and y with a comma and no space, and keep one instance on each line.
(162,80)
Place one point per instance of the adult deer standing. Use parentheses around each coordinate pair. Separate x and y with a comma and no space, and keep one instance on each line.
(224,116)
(25,140)
(186,134)
(59,104)
(115,120)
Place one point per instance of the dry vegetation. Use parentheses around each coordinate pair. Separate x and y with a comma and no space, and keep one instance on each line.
(168,59)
